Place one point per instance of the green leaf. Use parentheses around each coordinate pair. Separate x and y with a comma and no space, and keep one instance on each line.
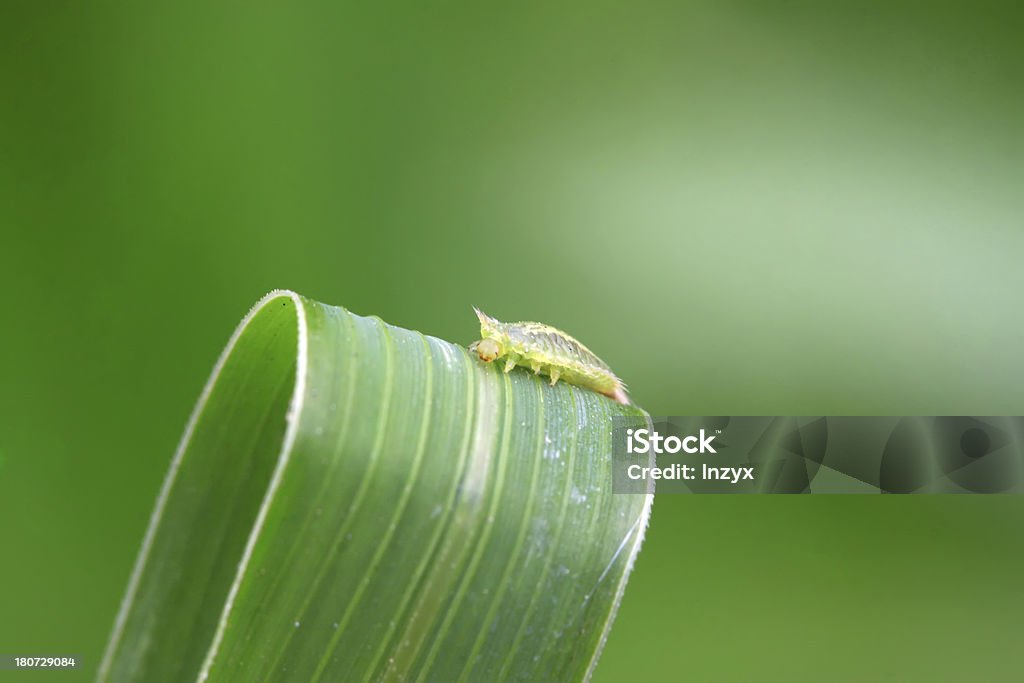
(356,501)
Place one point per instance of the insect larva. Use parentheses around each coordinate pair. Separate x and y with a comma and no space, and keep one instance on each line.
(546,351)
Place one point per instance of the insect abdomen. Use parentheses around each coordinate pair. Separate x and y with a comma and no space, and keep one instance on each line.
(555,350)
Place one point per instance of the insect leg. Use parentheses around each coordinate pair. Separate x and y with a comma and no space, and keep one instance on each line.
(535,366)
(554,373)
(510,362)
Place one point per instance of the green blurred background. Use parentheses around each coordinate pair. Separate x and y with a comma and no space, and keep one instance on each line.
(744,207)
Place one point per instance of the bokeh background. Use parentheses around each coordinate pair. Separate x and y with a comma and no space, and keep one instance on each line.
(744,207)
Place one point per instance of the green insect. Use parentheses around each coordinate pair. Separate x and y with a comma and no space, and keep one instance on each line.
(546,351)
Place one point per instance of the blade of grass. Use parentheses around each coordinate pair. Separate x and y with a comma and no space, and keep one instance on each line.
(356,501)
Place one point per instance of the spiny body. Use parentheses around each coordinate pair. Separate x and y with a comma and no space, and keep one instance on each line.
(546,351)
